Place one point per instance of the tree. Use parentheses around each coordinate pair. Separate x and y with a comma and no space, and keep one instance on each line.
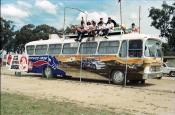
(43,31)
(24,35)
(7,34)
(164,20)
(31,32)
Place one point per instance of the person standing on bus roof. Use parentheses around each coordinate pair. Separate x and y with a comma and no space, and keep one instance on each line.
(81,31)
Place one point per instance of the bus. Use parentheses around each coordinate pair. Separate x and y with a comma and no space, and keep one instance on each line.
(131,57)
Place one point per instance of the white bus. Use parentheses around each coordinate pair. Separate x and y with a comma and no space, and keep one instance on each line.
(138,56)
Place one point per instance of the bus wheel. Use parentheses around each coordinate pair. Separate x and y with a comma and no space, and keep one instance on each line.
(172,74)
(47,73)
(117,77)
(142,81)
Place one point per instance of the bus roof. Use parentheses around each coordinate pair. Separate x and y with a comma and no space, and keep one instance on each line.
(57,40)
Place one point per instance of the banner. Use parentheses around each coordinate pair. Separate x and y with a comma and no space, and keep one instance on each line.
(23,63)
(18,62)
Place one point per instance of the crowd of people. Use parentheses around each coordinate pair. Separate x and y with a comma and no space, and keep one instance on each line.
(92,29)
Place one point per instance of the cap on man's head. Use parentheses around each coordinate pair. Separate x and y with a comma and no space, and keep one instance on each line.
(101,18)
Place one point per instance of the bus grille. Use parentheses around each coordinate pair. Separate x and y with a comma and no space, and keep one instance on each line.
(155,68)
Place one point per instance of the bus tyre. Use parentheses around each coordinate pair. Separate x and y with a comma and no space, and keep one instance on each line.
(117,77)
(142,81)
(172,73)
(47,72)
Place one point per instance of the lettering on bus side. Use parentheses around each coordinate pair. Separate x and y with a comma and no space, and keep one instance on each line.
(38,57)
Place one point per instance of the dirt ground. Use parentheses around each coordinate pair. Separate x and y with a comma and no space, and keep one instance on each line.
(155,97)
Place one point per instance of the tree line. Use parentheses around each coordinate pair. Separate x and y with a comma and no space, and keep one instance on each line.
(14,40)
(164,20)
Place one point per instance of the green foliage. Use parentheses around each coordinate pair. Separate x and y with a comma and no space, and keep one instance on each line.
(164,20)
(43,31)
(24,35)
(7,34)
(31,32)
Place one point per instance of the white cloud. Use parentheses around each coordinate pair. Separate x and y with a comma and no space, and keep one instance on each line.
(17,12)
(61,4)
(46,6)
(24,4)
(11,10)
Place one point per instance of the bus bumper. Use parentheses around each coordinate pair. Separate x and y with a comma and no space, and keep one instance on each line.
(152,75)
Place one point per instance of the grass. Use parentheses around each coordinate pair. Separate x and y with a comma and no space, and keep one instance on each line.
(13,104)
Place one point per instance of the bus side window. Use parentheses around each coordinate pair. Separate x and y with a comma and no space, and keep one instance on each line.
(41,49)
(123,49)
(88,48)
(54,49)
(70,48)
(108,47)
(30,49)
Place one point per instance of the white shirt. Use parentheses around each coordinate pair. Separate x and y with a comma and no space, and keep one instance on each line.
(110,26)
(101,26)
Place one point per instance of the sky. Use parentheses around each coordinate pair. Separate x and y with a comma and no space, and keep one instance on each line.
(51,12)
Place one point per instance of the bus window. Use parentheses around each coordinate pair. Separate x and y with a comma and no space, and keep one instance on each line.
(123,49)
(54,49)
(135,48)
(70,48)
(88,48)
(41,49)
(30,49)
(108,47)
(153,48)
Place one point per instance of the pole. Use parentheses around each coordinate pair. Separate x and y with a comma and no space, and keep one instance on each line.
(64,21)
(126,62)
(120,12)
(139,17)
(81,63)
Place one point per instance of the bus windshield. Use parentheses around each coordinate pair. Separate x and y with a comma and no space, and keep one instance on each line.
(153,48)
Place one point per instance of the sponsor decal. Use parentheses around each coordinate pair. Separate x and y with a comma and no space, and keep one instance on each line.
(23,63)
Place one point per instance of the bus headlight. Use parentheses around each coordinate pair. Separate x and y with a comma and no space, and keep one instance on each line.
(135,66)
(147,69)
